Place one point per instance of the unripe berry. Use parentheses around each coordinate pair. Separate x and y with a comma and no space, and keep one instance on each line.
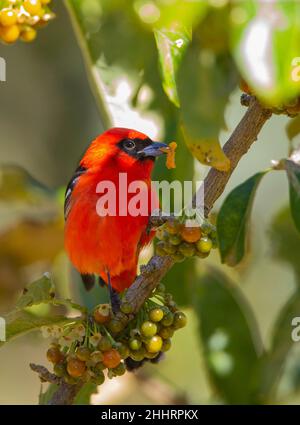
(178,257)
(148,329)
(160,249)
(166,333)
(123,350)
(154,344)
(126,308)
(104,344)
(156,314)
(204,245)
(83,353)
(135,344)
(174,239)
(120,369)
(187,249)
(99,378)
(166,345)
(168,319)
(172,226)
(180,320)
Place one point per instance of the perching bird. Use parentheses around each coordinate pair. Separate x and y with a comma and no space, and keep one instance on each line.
(109,246)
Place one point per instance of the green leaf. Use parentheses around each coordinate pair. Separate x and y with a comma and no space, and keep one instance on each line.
(285,241)
(293,128)
(293,174)
(21,322)
(266,50)
(171,46)
(203,102)
(40,291)
(273,362)
(43,291)
(84,395)
(233,220)
(229,336)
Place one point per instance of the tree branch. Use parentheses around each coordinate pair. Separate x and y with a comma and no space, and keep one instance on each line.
(244,135)
(65,394)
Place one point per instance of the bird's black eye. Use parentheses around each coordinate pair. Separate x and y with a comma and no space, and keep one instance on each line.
(129,145)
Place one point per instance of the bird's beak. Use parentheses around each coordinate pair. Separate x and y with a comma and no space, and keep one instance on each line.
(153,150)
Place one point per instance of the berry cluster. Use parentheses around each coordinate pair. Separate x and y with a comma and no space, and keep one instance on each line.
(105,344)
(179,241)
(19,19)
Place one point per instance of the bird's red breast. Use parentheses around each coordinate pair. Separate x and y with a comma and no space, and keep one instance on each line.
(97,244)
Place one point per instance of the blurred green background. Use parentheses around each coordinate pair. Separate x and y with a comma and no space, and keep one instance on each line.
(48,116)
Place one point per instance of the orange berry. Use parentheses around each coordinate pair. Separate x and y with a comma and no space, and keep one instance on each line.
(32,6)
(8,17)
(28,34)
(102,313)
(75,367)
(10,34)
(54,355)
(190,234)
(111,358)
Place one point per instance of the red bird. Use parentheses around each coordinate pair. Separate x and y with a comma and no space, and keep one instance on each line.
(109,246)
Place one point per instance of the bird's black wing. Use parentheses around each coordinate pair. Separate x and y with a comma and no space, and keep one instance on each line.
(78,172)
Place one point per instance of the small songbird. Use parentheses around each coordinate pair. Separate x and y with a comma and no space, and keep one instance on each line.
(108,246)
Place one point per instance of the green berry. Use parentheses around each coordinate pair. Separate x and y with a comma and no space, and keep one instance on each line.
(138,355)
(178,257)
(172,226)
(154,344)
(204,245)
(166,333)
(187,249)
(83,353)
(156,314)
(115,326)
(169,248)
(180,320)
(166,345)
(60,370)
(175,239)
(168,319)
(123,350)
(99,378)
(104,344)
(96,356)
(148,329)
(160,288)
(160,249)
(135,344)
(120,369)
(126,308)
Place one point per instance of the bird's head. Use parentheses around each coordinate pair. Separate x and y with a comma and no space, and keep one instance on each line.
(128,148)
